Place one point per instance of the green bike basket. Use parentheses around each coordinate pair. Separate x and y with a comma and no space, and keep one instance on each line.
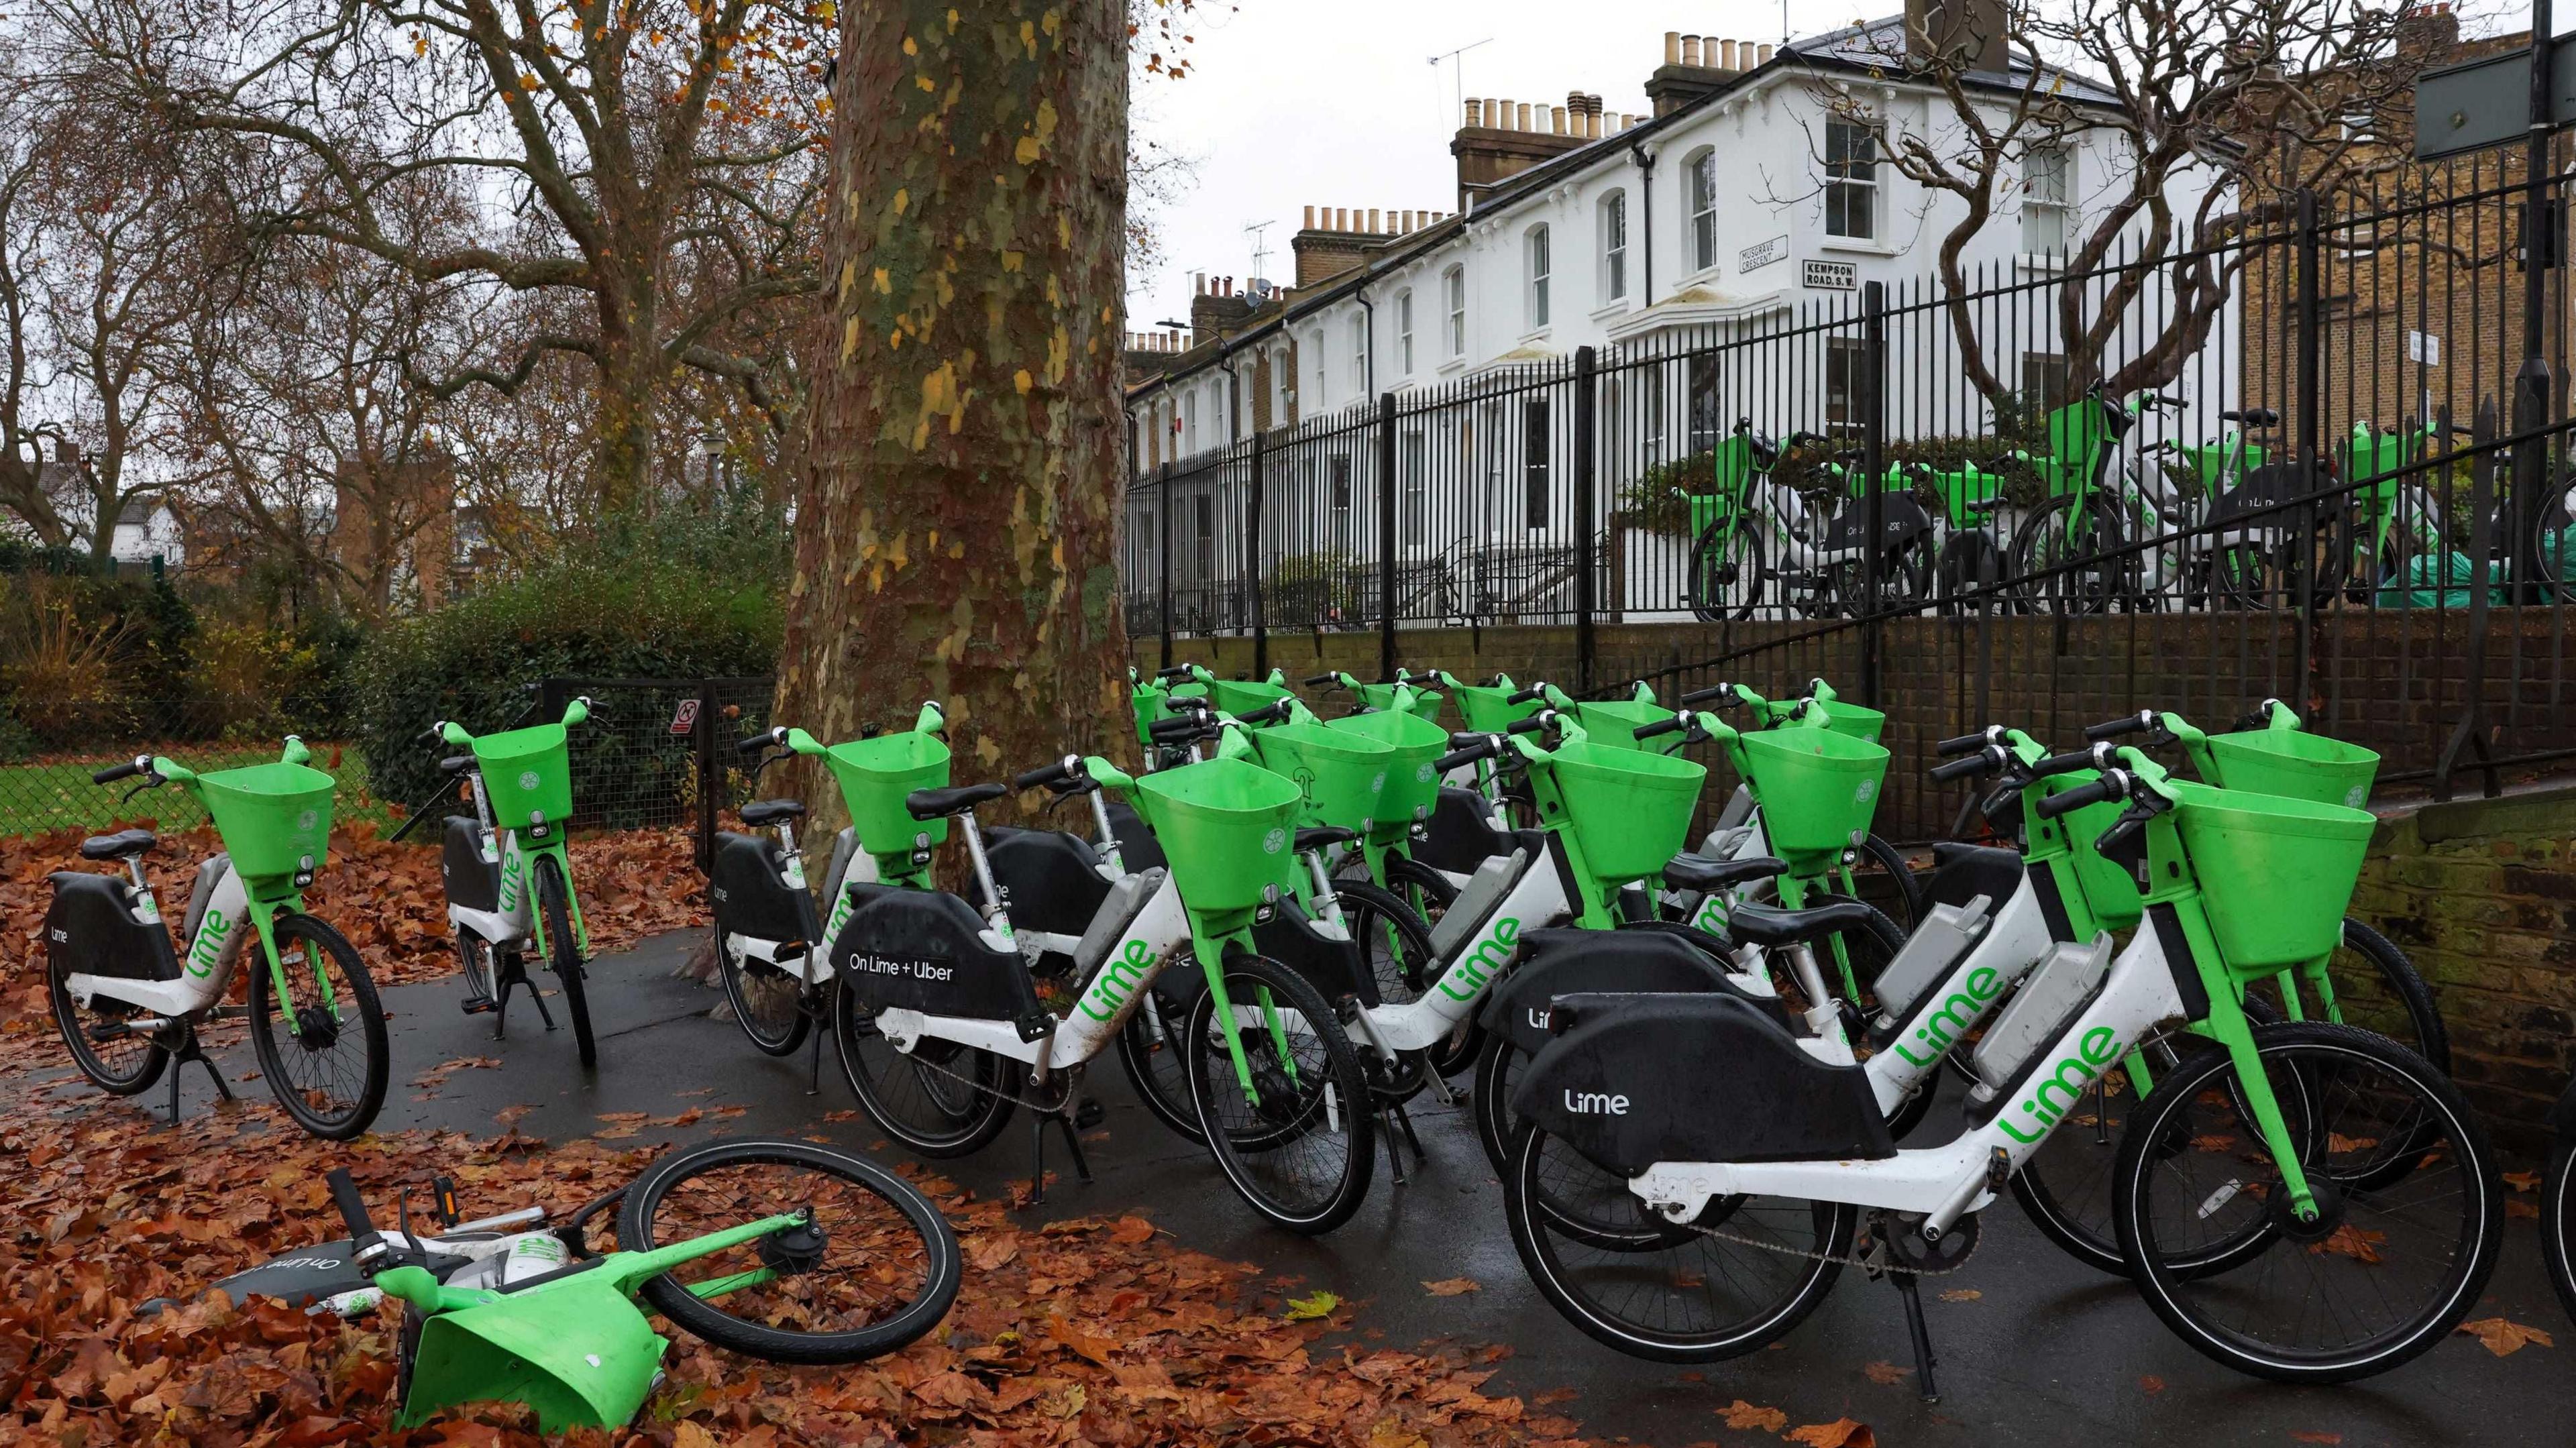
(2108,885)
(1150,708)
(1224,826)
(2294,763)
(876,774)
(1817,787)
(1242,696)
(1628,810)
(1412,778)
(579,1353)
(527,776)
(1340,774)
(1857,720)
(2276,873)
(1426,701)
(1614,722)
(1489,710)
(275,818)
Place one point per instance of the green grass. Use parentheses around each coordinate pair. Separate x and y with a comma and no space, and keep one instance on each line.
(57,794)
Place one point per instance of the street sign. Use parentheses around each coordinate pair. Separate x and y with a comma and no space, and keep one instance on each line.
(1754,258)
(685,718)
(2424,347)
(2484,103)
(1831,276)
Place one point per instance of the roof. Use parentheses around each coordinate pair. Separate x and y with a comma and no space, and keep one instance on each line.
(1865,48)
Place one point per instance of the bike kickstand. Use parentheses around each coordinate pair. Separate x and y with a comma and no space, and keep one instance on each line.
(1073,1143)
(1394,1146)
(1909,1285)
(1404,1119)
(191,1049)
(814,1064)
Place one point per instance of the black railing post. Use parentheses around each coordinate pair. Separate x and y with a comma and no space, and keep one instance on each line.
(1587,368)
(710,773)
(2541,245)
(1163,560)
(1873,417)
(2469,736)
(1386,535)
(1252,567)
(2311,400)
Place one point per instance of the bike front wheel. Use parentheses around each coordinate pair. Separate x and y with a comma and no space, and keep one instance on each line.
(768,1003)
(1297,1139)
(323,1048)
(563,953)
(1726,572)
(1149,1047)
(872,1266)
(2382,1273)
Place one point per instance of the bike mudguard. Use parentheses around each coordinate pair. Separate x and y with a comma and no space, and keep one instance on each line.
(1332,966)
(923,950)
(749,897)
(472,881)
(1559,962)
(1900,521)
(92,930)
(1137,847)
(1049,880)
(1639,1079)
(1961,873)
(1460,834)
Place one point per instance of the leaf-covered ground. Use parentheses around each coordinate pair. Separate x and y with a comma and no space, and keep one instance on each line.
(385,897)
(1084,1330)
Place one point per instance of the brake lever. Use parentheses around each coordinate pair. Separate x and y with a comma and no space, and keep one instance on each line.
(128,798)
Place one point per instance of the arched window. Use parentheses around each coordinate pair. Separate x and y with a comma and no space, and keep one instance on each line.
(1614,246)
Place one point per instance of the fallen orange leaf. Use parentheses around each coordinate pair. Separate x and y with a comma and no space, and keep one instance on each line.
(1453,1287)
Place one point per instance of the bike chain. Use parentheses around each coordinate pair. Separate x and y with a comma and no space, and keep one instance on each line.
(1061,1108)
(1876,1258)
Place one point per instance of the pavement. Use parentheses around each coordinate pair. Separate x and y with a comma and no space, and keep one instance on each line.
(2049,1352)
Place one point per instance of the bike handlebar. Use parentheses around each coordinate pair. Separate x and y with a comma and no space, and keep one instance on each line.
(1275,709)
(1673,725)
(1060,772)
(1483,748)
(1326,679)
(1724,694)
(353,1208)
(2138,723)
(1964,744)
(115,772)
(1175,671)
(1977,763)
(1171,731)
(1530,695)
(766,740)
(2114,784)
(1533,724)
(2067,763)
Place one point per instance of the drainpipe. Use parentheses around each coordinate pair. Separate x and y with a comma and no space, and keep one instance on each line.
(1360,295)
(1645,162)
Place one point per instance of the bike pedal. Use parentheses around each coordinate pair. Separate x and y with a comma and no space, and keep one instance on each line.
(1089,1114)
(1998,1171)
(479,1006)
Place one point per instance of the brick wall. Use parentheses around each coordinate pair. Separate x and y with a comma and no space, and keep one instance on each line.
(2481,895)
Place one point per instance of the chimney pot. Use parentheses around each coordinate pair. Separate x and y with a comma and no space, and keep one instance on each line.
(1372,224)
(1475,112)
(1765,56)
(1672,47)
(1556,120)
(1310,216)
(1341,218)
(1521,114)
(1726,49)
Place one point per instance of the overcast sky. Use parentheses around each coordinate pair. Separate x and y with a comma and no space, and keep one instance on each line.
(1335,103)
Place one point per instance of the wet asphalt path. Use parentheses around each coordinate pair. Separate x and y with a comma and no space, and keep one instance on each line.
(2048,1353)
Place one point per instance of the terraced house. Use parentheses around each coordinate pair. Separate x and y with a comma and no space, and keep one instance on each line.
(1759,193)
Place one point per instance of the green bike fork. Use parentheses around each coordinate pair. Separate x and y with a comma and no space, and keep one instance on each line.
(263,918)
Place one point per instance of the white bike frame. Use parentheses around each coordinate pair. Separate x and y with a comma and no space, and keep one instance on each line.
(205,964)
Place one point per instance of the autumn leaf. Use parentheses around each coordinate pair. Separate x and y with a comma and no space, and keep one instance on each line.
(1961,1294)
(1131,1231)
(1840,1433)
(1886,1374)
(2523,1181)
(1307,1309)
(2303,1436)
(2504,1338)
(1742,1415)
(2151,1384)
(1453,1287)
(2359,1243)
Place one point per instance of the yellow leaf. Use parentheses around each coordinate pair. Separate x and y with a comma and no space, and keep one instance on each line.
(1307,1309)
(1027,151)
(690,1435)
(1023,381)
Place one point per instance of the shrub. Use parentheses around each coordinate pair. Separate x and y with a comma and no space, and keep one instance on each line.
(472,661)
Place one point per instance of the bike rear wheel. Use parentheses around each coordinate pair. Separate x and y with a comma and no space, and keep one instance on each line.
(1690,1297)
(1726,573)
(328,1065)
(2382,1275)
(874,1267)
(941,1099)
(563,952)
(768,1003)
(1301,1145)
(2558,1223)
(116,1059)
(2062,554)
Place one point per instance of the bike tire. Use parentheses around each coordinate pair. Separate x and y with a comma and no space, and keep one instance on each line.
(563,953)
(1562,1280)
(2558,1223)
(2081,587)
(364,1095)
(965,1114)
(1903,887)
(747,982)
(2329,1062)
(1725,536)
(885,1209)
(477,962)
(1149,1049)
(1429,894)
(129,1073)
(1248,1138)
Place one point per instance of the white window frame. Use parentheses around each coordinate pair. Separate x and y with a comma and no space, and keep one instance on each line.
(1359,354)
(2047,199)
(1614,247)
(1852,182)
(1537,268)
(1404,332)
(1189,422)
(1454,283)
(1701,219)
(1283,381)
(1315,344)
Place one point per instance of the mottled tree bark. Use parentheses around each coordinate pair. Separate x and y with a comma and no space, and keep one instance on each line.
(958,515)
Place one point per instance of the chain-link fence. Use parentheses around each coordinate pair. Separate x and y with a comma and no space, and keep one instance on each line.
(50,748)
